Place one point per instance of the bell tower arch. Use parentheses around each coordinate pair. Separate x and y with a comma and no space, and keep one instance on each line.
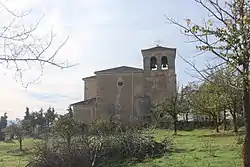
(159,58)
(159,71)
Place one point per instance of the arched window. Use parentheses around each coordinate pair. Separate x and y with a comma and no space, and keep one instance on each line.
(164,63)
(153,63)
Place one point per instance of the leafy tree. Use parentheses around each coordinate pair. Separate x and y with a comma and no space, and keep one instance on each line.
(18,130)
(70,112)
(3,121)
(41,119)
(33,120)
(66,128)
(224,78)
(170,106)
(209,101)
(3,125)
(187,93)
(50,116)
(27,122)
(27,114)
(27,126)
(226,34)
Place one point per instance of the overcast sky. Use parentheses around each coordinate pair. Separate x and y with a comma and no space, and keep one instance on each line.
(102,34)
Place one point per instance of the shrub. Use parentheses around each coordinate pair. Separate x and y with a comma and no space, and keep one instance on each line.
(99,150)
(106,127)
(239,139)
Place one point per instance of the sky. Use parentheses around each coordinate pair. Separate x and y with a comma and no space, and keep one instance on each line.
(102,34)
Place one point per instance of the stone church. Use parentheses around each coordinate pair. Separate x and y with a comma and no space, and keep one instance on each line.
(127,93)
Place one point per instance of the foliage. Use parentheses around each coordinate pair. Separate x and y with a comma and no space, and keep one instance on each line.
(43,120)
(187,92)
(226,34)
(27,114)
(66,128)
(170,106)
(17,129)
(187,150)
(208,100)
(50,116)
(224,79)
(105,127)
(101,150)
(3,125)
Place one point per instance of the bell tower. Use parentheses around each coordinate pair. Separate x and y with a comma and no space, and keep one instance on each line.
(159,59)
(159,71)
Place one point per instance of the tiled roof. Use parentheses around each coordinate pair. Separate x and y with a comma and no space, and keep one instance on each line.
(120,69)
(85,102)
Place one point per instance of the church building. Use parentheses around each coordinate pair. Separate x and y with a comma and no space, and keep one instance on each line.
(127,93)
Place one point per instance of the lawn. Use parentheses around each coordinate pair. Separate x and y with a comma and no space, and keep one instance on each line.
(198,148)
(10,156)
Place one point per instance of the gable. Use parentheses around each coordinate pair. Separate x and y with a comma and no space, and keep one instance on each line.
(157,48)
(91,101)
(122,69)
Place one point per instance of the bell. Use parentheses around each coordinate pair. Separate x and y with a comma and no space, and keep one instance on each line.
(164,61)
(153,65)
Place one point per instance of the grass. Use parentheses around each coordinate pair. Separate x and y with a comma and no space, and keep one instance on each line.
(198,148)
(11,156)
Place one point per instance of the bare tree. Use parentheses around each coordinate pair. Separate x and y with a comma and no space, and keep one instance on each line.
(21,48)
(226,34)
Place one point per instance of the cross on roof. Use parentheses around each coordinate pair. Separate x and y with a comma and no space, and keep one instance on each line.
(157,42)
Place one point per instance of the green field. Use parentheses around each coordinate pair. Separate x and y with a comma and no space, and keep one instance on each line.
(10,156)
(198,148)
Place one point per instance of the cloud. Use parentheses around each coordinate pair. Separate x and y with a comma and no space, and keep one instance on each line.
(102,34)
(14,98)
(57,88)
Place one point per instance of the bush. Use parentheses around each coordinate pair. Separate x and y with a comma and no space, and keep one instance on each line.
(99,150)
(106,127)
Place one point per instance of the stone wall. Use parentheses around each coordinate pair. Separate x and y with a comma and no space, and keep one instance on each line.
(160,84)
(112,97)
(84,113)
(90,88)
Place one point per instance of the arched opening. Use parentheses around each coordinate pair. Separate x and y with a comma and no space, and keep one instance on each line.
(153,63)
(164,63)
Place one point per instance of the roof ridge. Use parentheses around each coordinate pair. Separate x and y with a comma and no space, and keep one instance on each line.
(122,68)
(85,102)
(158,47)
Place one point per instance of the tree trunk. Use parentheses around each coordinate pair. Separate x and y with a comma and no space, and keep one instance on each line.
(216,124)
(69,143)
(20,144)
(175,127)
(246,145)
(235,125)
(187,117)
(12,136)
(217,128)
(224,119)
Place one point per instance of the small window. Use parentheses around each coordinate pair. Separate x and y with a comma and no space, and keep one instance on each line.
(120,83)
